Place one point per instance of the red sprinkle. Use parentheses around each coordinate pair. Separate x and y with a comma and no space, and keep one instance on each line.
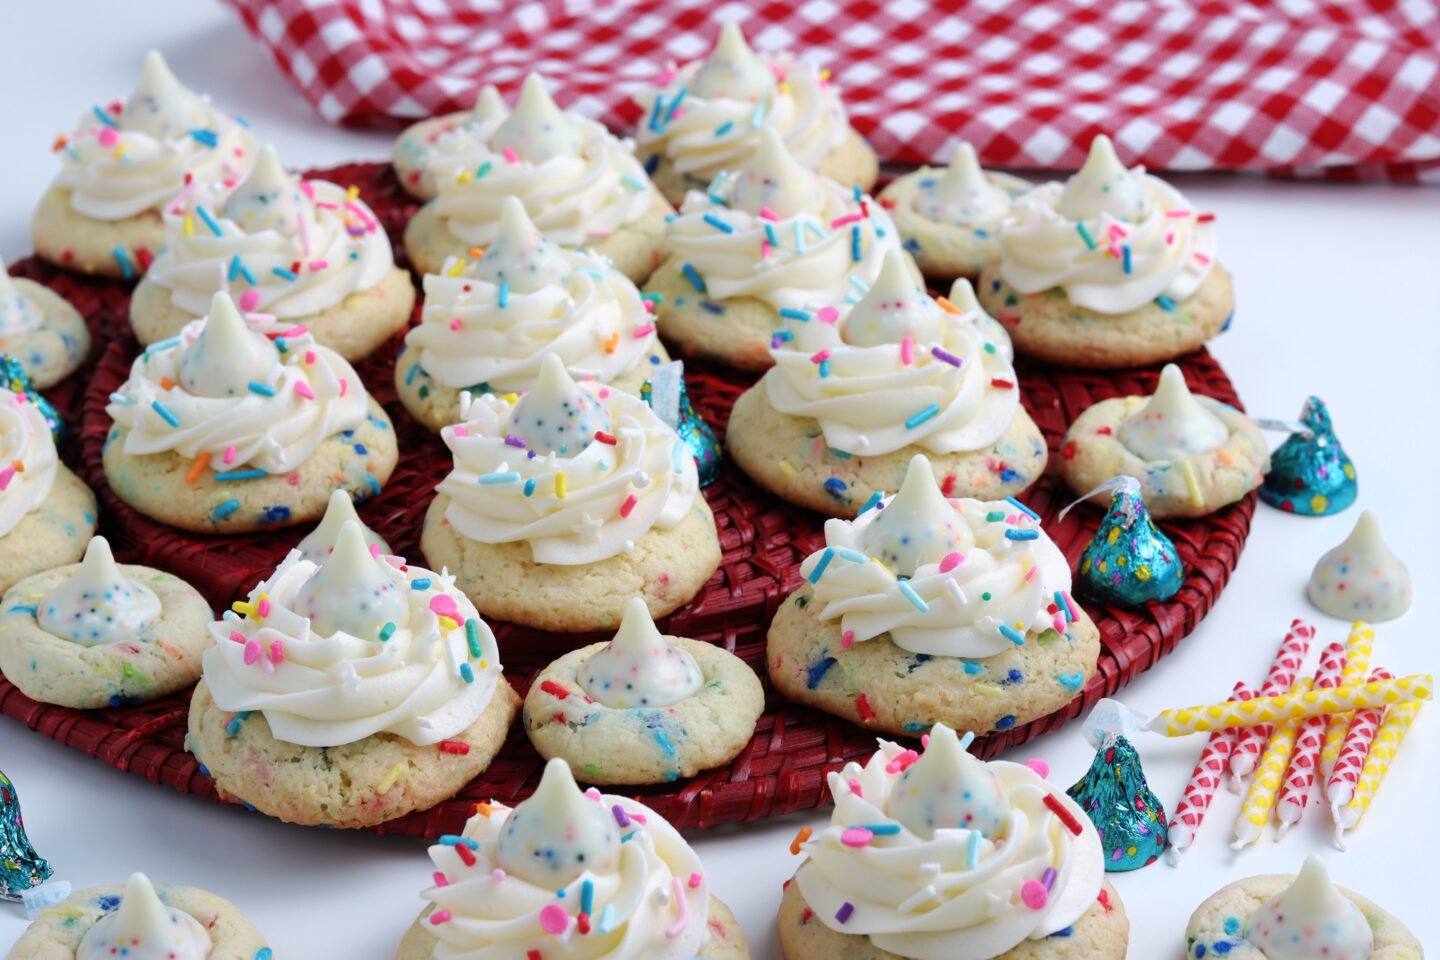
(604,437)
(1205,218)
(1058,808)
(554,689)
(1068,450)
(948,486)
(457,747)
(582,923)
(467,856)
(863,706)
(1002,383)
(628,505)
(533,955)
(1104,431)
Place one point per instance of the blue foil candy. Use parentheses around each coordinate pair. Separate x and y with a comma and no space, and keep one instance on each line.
(1126,813)
(20,866)
(1129,561)
(697,435)
(14,378)
(1310,473)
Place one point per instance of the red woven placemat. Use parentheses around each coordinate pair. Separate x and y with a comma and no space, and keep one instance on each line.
(783,768)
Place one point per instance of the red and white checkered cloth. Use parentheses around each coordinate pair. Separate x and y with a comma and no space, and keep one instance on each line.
(1338,88)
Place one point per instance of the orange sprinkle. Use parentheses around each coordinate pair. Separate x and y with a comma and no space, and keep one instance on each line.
(1224,456)
(17,465)
(484,809)
(947,306)
(476,253)
(59,143)
(800,838)
(167,384)
(612,341)
(197,468)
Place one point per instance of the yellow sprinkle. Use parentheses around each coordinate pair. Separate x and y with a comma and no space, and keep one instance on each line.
(447,624)
(352,193)
(189,224)
(243,608)
(484,664)
(560,484)
(1191,483)
(510,397)
(464,176)
(388,781)
(787,469)
(456,268)
(988,689)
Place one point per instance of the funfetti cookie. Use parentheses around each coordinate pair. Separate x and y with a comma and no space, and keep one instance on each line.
(141,921)
(41,330)
(47,514)
(1296,918)
(123,162)
(1192,454)
(939,856)
(643,708)
(565,503)
(223,429)
(302,254)
(925,610)
(349,692)
(766,242)
(950,218)
(707,116)
(850,401)
(451,142)
(1113,268)
(487,323)
(581,185)
(101,635)
(570,874)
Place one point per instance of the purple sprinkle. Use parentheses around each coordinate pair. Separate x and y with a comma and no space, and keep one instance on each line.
(844,912)
(514,441)
(1048,878)
(946,356)
(621,817)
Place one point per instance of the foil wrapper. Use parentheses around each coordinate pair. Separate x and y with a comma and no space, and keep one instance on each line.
(21,868)
(1126,813)
(1310,473)
(667,395)
(1129,561)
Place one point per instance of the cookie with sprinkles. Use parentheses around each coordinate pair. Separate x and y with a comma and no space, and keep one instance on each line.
(1296,918)
(950,218)
(350,691)
(97,634)
(1112,268)
(228,429)
(565,503)
(851,400)
(567,874)
(708,115)
(935,855)
(40,330)
(141,921)
(644,707)
(1191,454)
(489,322)
(296,255)
(767,242)
(927,610)
(580,184)
(123,162)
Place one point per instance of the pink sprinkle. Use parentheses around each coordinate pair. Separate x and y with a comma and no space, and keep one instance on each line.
(310,358)
(109,136)
(252,651)
(1201,257)
(856,837)
(951,561)
(444,605)
(250,299)
(1058,623)
(259,317)
(1170,239)
(907,351)
(593,794)
(604,393)
(628,505)
(682,906)
(460,430)
(325,205)
(1034,894)
(262,607)
(375,550)
(8,473)
(344,385)
(277,651)
(497,874)
(643,331)
(307,188)
(665,76)
(767,214)
(1039,766)
(855,789)
(299,330)
(649,305)
(1030,575)
(439,917)
(304,390)
(694,880)
(510,155)
(1177,214)
(839,222)
(440,879)
(319,264)
(363,214)
(1115,250)
(237,636)
(455,324)
(1118,231)
(847,638)
(924,740)
(553,919)
(827,314)
(820,356)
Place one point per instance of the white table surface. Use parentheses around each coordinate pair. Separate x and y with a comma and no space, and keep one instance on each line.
(1339,291)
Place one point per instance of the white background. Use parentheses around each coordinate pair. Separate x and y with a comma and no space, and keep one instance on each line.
(1339,295)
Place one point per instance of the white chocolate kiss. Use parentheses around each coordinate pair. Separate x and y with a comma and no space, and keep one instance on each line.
(320,542)
(536,129)
(639,667)
(352,591)
(143,928)
(1172,424)
(558,833)
(773,179)
(948,789)
(1103,185)
(1310,918)
(1362,578)
(733,70)
(98,603)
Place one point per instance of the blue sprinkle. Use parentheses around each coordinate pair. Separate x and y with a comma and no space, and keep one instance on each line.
(239,475)
(1014,534)
(855,243)
(1126,251)
(693,277)
(467,674)
(854,556)
(724,128)
(655,114)
(529,486)
(234,268)
(914,727)
(209,220)
(503,298)
(1005,723)
(412,373)
(710,306)
(770,236)
(1071,681)
(420,583)
(664,742)
(872,501)
(587,896)
(245,272)
(972,668)
(821,564)
(1011,634)
(225,509)
(675,104)
(836,488)
(264,953)
(361,450)
(912,596)
(717,223)
(1232,925)
(29,610)
(509,476)
(261,389)
(165,344)
(125,268)
(817,672)
(276,514)
(104,118)
(789,313)
(652,163)
(122,400)
(284,274)
(206,137)
(1022,508)
(919,418)
(165,413)
(1007,475)
(1166,304)
(372,482)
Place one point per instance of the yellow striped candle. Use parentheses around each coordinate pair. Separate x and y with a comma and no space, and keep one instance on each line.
(1269,775)
(1294,706)
(1382,755)
(1357,668)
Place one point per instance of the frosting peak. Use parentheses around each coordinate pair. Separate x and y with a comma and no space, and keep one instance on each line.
(556,416)
(917,526)
(161,105)
(1172,424)
(895,307)
(773,179)
(18,313)
(227,356)
(320,542)
(489,105)
(640,667)
(536,129)
(98,603)
(1311,918)
(1104,186)
(268,199)
(732,69)
(351,592)
(520,257)
(144,928)
(948,789)
(558,833)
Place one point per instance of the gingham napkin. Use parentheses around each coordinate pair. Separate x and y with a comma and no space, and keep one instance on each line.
(1337,88)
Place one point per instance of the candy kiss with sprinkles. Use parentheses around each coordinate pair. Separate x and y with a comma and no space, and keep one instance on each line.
(98,603)
(144,928)
(639,667)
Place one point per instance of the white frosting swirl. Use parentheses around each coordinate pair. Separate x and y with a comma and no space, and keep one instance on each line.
(19,314)
(957,578)
(641,889)
(281,246)
(493,320)
(578,181)
(28,460)
(334,653)
(1112,239)
(707,115)
(591,500)
(917,892)
(896,371)
(121,163)
(144,928)
(777,232)
(234,395)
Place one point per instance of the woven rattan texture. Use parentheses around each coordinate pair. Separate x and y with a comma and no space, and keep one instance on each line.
(783,768)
